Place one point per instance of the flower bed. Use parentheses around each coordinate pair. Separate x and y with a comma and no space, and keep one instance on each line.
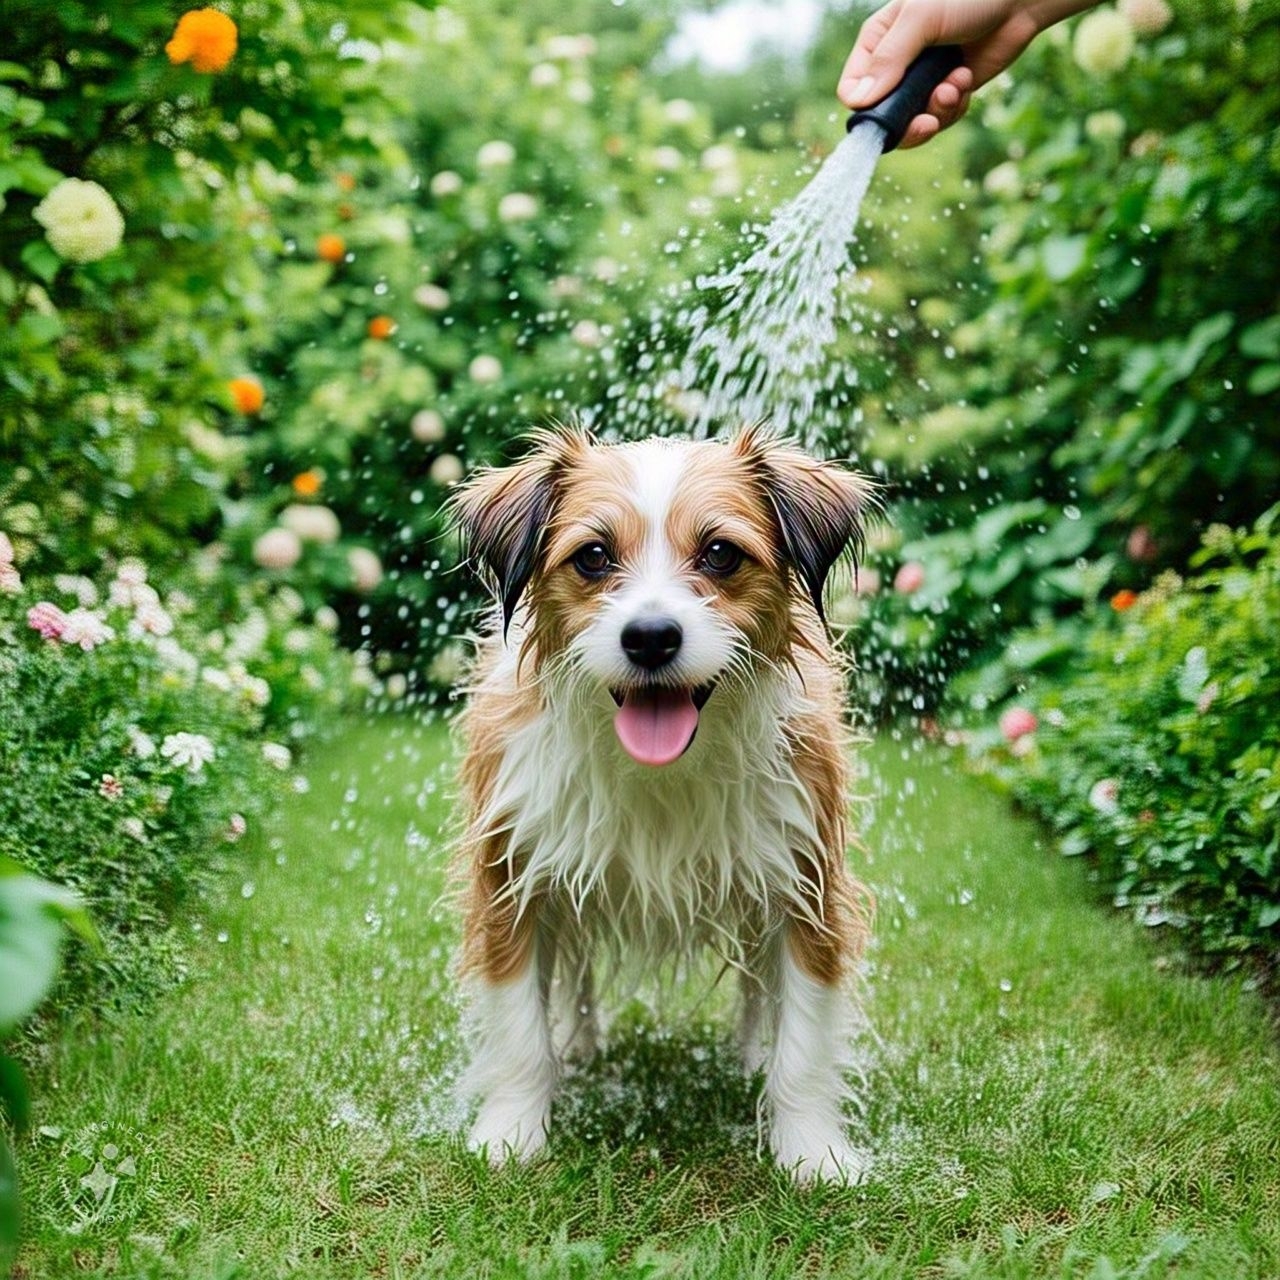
(138,741)
(1161,756)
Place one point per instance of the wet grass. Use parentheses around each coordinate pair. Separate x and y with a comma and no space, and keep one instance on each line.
(1047,1093)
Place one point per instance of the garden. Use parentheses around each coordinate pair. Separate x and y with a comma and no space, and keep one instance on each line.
(275,279)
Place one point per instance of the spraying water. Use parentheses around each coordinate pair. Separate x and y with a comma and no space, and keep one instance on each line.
(759,352)
(759,347)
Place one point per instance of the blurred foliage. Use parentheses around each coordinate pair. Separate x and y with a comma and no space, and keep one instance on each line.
(1074,422)
(1161,754)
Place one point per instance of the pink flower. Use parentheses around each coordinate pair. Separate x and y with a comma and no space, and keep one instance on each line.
(1141,544)
(10,579)
(1104,795)
(110,788)
(6,548)
(909,579)
(85,628)
(236,827)
(1017,722)
(47,619)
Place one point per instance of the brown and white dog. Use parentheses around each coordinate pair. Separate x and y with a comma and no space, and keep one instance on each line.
(655,763)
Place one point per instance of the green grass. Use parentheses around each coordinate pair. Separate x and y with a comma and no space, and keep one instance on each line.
(1047,1092)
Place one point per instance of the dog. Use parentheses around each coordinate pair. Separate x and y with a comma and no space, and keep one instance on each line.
(655,762)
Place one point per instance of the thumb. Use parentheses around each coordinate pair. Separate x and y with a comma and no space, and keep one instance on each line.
(872,77)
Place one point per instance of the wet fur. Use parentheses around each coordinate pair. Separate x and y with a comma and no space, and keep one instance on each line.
(575,853)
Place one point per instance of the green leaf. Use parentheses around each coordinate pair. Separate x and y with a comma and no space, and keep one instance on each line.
(1264,379)
(15,1102)
(1262,340)
(1063,256)
(39,258)
(32,915)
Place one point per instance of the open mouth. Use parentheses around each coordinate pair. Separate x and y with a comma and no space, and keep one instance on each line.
(656,723)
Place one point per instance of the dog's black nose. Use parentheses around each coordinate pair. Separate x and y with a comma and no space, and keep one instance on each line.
(651,642)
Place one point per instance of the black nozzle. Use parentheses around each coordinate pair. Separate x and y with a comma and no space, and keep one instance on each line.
(894,112)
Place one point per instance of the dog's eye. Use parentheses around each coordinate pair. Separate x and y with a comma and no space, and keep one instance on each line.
(592,561)
(721,558)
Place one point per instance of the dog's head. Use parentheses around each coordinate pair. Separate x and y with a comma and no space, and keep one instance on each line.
(658,569)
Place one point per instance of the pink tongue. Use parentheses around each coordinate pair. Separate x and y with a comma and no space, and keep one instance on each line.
(656,725)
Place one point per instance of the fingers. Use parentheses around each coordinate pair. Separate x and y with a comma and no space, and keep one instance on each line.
(887,43)
(929,125)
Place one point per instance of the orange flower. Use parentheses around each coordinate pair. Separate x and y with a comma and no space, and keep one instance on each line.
(381,327)
(346,210)
(346,181)
(1123,600)
(330,247)
(206,38)
(306,484)
(247,393)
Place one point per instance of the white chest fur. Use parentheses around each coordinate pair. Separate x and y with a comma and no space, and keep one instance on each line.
(659,858)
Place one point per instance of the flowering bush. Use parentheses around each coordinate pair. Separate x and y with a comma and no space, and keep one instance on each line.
(1161,755)
(132,743)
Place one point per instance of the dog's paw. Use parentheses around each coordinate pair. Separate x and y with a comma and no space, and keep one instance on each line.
(509,1129)
(818,1155)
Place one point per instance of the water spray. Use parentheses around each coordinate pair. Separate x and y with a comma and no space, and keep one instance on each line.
(896,110)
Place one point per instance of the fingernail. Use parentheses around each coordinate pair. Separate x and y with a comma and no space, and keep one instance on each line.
(862,90)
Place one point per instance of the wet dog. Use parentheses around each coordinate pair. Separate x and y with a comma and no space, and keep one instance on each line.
(655,763)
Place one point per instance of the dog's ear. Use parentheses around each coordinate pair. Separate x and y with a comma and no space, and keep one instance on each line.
(818,506)
(503,513)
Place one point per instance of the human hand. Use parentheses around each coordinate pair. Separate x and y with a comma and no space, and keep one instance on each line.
(992,33)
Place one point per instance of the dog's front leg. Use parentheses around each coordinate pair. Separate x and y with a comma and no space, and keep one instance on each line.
(513,1068)
(804,1078)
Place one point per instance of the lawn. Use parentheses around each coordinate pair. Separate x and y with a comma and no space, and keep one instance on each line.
(1048,1093)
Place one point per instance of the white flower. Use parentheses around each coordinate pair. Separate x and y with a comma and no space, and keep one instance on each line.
(721,156)
(573,48)
(1004,181)
(397,686)
(447,469)
(151,620)
(278,548)
(544,75)
(495,155)
(680,111)
(485,369)
(427,426)
(177,659)
(85,628)
(74,585)
(143,745)
(606,270)
(311,523)
(216,678)
(728,182)
(448,666)
(256,690)
(6,549)
(517,206)
(431,297)
(668,159)
(445,183)
(1147,17)
(132,571)
(1103,42)
(1104,126)
(1104,794)
(566,286)
(190,751)
(249,636)
(134,829)
(366,568)
(277,755)
(326,619)
(10,580)
(587,333)
(297,640)
(579,91)
(80,220)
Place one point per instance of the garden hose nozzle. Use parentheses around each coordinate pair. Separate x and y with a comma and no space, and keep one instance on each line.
(894,112)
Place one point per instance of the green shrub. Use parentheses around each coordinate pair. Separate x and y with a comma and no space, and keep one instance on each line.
(132,737)
(1161,752)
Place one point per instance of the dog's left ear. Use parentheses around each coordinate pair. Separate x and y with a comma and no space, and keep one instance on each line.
(818,507)
(503,514)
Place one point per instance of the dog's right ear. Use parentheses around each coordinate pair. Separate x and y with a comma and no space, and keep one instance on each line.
(503,513)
